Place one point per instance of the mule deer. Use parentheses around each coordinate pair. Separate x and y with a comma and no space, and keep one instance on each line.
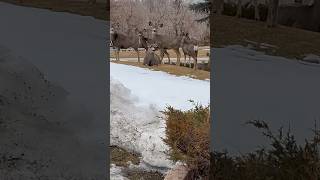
(122,41)
(189,49)
(151,57)
(165,42)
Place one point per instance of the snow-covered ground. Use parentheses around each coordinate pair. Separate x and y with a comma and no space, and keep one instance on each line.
(160,88)
(137,96)
(249,85)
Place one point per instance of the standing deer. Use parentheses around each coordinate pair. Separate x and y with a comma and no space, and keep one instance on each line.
(165,42)
(121,41)
(189,48)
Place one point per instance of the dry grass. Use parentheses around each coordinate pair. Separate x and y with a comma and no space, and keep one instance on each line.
(290,42)
(98,10)
(133,54)
(121,157)
(172,69)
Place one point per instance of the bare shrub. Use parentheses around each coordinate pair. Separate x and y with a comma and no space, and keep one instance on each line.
(284,160)
(188,134)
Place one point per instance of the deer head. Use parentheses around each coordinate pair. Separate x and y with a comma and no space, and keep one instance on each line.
(155,27)
(112,30)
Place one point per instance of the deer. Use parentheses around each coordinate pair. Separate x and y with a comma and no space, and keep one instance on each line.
(189,48)
(165,42)
(151,57)
(122,41)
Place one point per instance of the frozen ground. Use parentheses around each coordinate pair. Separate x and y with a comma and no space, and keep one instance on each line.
(249,85)
(137,96)
(53,81)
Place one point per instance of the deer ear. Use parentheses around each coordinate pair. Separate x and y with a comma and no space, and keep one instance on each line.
(150,23)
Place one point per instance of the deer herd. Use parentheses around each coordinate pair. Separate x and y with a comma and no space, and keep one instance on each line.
(155,42)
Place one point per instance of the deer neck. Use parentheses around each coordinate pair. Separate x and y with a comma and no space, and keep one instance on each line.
(182,41)
(139,41)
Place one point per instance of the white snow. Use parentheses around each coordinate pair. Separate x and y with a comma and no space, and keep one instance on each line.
(115,173)
(137,96)
(136,128)
(160,88)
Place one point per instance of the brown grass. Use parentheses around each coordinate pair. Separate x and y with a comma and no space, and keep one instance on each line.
(290,42)
(172,69)
(121,157)
(133,54)
(98,10)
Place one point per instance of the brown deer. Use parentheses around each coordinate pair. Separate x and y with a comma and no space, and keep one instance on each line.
(165,42)
(301,16)
(151,57)
(134,40)
(189,48)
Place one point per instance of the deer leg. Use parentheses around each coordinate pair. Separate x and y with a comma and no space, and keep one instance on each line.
(195,63)
(161,55)
(185,59)
(138,55)
(178,56)
(118,55)
(165,51)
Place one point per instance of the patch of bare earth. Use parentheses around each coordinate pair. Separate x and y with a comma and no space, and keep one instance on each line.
(287,41)
(172,69)
(98,10)
(123,158)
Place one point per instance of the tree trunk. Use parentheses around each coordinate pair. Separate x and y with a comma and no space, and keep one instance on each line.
(256,10)
(239,9)
(272,13)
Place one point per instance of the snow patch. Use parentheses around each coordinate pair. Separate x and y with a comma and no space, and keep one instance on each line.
(160,88)
(137,128)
